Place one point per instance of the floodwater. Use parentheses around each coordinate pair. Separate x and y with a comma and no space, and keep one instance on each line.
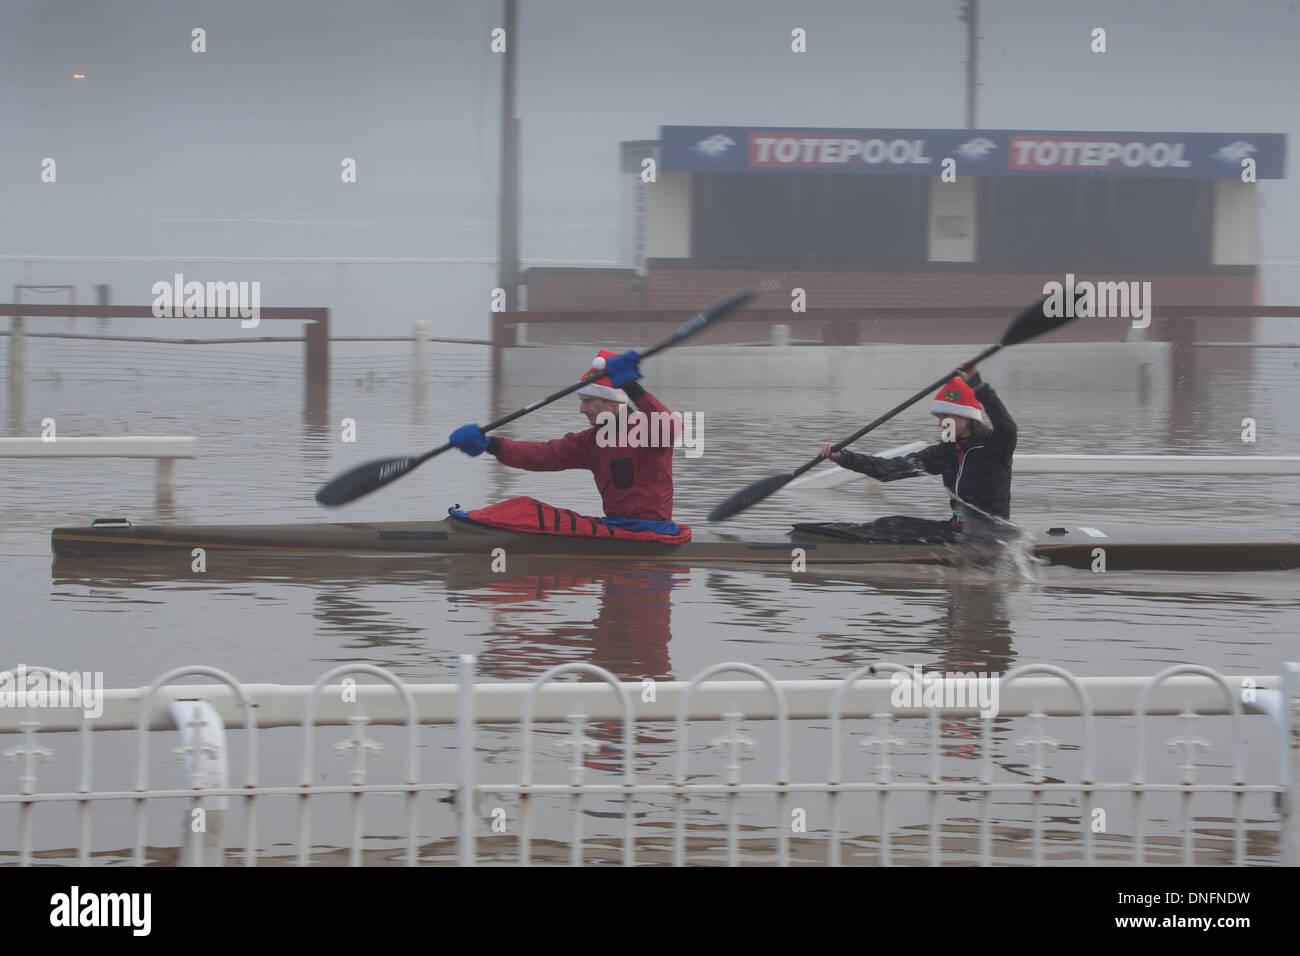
(271,621)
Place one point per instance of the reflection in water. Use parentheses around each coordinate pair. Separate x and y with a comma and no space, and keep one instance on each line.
(976,638)
(341,611)
(628,636)
(537,615)
(976,631)
(316,446)
(971,634)
(944,618)
(365,604)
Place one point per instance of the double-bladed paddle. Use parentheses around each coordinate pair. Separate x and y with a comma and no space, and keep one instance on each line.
(1031,323)
(373,475)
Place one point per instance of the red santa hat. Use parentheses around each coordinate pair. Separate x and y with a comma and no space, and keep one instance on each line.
(957,398)
(603,387)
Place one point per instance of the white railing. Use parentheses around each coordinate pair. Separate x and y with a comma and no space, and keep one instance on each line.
(1026,464)
(164,449)
(890,811)
(1157,464)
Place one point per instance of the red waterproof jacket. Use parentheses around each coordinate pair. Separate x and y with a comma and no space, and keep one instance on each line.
(634,482)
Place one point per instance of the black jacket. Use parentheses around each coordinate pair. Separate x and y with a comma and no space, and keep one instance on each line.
(976,469)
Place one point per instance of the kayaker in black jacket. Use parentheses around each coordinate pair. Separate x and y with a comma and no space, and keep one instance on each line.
(975,462)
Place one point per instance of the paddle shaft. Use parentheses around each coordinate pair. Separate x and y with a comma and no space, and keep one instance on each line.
(372,475)
(1033,322)
(684,331)
(840,446)
(519,413)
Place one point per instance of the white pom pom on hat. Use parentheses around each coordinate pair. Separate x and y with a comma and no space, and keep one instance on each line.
(602,388)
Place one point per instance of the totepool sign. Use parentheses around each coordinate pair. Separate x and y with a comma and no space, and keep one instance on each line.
(976,152)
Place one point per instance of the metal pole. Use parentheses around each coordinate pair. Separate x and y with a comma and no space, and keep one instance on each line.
(508,237)
(969,16)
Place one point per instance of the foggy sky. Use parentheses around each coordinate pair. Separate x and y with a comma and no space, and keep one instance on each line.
(236,151)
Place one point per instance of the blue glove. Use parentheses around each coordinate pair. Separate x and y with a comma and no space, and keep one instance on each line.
(623,369)
(469,439)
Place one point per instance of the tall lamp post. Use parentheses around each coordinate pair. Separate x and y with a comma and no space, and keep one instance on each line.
(508,223)
(968,16)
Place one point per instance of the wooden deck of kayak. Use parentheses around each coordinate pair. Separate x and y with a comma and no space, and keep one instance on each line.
(1070,546)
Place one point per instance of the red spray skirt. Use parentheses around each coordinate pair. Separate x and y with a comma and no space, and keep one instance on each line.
(535,517)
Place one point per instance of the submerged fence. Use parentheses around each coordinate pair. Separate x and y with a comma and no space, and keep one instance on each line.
(940,784)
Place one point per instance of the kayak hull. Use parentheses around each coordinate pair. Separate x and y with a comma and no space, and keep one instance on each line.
(462,537)
(1074,548)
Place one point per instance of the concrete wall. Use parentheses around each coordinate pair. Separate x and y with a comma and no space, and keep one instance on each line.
(686,290)
(1084,367)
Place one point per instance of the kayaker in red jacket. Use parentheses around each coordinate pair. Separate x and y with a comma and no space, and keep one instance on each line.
(634,476)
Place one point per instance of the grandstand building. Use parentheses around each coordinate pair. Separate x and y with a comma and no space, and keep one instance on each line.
(867,219)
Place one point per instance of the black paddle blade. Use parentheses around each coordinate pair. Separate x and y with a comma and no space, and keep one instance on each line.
(1043,316)
(363,479)
(702,320)
(715,312)
(749,495)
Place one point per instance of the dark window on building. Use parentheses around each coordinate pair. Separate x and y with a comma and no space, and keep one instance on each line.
(828,219)
(1095,223)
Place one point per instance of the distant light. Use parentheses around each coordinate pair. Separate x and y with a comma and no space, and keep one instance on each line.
(78,76)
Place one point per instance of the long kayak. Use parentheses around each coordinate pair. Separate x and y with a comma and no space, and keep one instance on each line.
(1072,546)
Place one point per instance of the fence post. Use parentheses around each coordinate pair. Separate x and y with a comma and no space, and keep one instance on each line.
(165,494)
(420,362)
(316,338)
(465,742)
(17,371)
(203,745)
(1290,688)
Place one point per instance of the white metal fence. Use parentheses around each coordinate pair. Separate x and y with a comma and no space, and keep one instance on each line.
(940,784)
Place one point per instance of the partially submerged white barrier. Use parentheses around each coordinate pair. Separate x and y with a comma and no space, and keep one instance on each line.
(165,449)
(1025,464)
(1060,794)
(1157,464)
